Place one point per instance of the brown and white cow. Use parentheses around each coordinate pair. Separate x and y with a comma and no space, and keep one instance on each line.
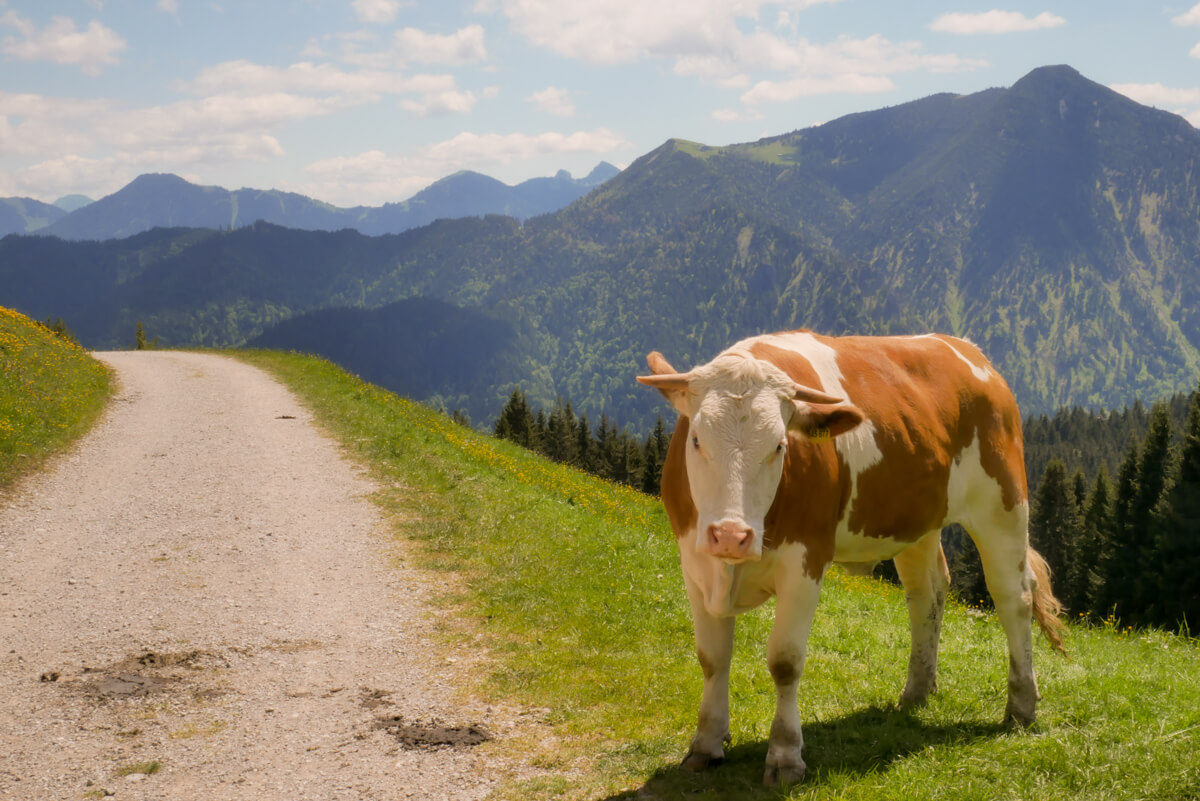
(795,450)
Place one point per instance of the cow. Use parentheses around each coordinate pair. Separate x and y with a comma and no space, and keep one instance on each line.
(794,451)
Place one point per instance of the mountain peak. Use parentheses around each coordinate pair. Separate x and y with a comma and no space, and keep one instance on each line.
(148,179)
(1058,79)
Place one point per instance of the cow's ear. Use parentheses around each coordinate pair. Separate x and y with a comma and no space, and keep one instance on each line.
(672,384)
(824,421)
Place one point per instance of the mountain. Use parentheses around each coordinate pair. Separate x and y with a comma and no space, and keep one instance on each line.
(24,215)
(69,203)
(1053,222)
(168,201)
(470,194)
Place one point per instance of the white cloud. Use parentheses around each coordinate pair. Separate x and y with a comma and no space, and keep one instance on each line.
(248,77)
(464,46)
(786,91)
(61,42)
(1189,17)
(169,6)
(433,104)
(994,21)
(1155,94)
(736,115)
(624,31)
(1195,51)
(76,140)
(377,11)
(723,43)
(488,149)
(553,100)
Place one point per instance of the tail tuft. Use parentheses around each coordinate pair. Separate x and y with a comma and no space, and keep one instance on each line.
(1047,609)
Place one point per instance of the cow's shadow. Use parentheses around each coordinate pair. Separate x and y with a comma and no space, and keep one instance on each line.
(866,741)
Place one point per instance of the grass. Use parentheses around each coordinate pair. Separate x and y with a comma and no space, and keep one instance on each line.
(573,588)
(51,391)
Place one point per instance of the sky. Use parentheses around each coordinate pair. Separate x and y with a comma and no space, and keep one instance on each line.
(364,102)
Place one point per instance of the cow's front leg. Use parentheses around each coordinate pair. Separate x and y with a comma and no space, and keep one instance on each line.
(797,594)
(714,650)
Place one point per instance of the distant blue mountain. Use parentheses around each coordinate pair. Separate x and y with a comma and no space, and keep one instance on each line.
(162,200)
(24,215)
(70,203)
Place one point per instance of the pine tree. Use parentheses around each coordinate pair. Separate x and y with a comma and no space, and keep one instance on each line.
(651,468)
(1084,578)
(515,422)
(1177,547)
(1152,484)
(584,446)
(1119,551)
(1054,520)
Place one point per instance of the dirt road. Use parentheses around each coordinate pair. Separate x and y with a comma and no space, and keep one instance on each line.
(199,602)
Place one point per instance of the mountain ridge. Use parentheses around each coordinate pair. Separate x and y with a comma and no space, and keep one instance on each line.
(165,200)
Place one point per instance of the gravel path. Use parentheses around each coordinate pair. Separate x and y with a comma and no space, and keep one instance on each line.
(202,585)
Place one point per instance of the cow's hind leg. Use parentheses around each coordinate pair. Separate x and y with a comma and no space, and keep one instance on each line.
(922,570)
(714,650)
(1010,581)
(797,594)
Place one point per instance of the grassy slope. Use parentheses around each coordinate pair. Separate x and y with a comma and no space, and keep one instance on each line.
(573,586)
(51,391)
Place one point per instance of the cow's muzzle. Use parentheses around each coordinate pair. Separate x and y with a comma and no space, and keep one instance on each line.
(730,540)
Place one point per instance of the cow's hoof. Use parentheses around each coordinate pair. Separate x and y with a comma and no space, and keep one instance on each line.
(912,700)
(783,774)
(697,762)
(1014,718)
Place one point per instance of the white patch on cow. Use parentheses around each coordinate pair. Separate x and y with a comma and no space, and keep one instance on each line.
(822,357)
(982,373)
(976,500)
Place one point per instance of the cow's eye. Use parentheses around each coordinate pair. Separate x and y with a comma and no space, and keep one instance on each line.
(696,443)
(779,449)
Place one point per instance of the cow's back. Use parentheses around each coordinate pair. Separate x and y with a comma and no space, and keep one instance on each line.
(939,420)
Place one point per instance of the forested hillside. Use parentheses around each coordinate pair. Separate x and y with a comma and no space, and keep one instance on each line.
(1056,223)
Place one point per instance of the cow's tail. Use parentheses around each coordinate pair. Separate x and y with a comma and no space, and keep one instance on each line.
(1047,609)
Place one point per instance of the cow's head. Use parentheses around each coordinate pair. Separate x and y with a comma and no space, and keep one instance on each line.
(741,411)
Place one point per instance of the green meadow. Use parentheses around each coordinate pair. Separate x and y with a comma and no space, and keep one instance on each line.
(572,587)
(51,391)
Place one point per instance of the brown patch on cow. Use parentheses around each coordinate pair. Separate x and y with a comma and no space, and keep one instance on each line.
(994,418)
(927,408)
(814,489)
(784,671)
(900,384)
(796,366)
(675,490)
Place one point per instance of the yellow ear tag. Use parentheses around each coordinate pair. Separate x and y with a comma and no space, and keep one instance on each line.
(820,435)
